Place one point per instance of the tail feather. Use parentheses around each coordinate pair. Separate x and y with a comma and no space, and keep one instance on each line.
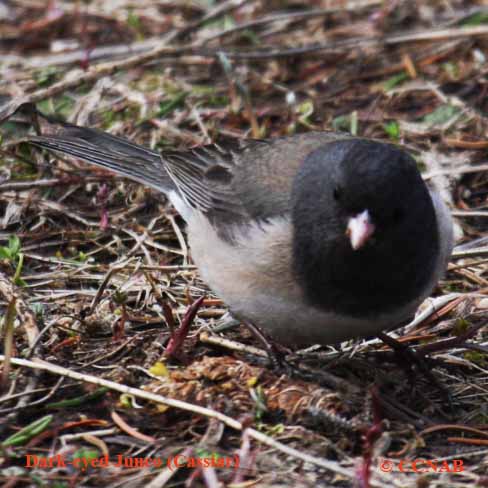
(115,153)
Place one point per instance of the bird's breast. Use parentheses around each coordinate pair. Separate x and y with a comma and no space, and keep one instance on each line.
(253,275)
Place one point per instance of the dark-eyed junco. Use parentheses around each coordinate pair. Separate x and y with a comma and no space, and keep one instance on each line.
(315,237)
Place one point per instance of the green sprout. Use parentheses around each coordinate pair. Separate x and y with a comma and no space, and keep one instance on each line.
(11,252)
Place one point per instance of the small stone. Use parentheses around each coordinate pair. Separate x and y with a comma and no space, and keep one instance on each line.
(483,303)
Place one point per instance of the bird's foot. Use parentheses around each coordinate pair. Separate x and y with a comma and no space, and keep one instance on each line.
(408,358)
(276,352)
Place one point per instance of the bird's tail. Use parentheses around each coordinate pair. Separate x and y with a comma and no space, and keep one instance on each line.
(102,149)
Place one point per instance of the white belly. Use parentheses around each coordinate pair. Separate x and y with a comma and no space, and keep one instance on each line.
(254,278)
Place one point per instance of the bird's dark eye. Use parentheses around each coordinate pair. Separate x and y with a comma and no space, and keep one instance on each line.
(337,193)
(398,214)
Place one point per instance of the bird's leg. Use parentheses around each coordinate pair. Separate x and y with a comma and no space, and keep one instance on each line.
(276,352)
(409,358)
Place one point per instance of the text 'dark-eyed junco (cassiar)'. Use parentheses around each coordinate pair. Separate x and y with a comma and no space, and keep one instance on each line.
(316,237)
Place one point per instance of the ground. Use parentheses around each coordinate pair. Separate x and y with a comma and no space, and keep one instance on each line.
(96,277)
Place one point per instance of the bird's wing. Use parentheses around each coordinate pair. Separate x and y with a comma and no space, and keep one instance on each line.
(243,179)
(232,182)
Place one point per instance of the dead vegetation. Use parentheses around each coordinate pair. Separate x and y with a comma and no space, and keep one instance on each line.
(95,275)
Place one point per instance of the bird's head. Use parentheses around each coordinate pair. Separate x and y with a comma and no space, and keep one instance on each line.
(365,232)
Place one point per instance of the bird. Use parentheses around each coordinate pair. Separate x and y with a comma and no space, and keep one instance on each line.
(316,237)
